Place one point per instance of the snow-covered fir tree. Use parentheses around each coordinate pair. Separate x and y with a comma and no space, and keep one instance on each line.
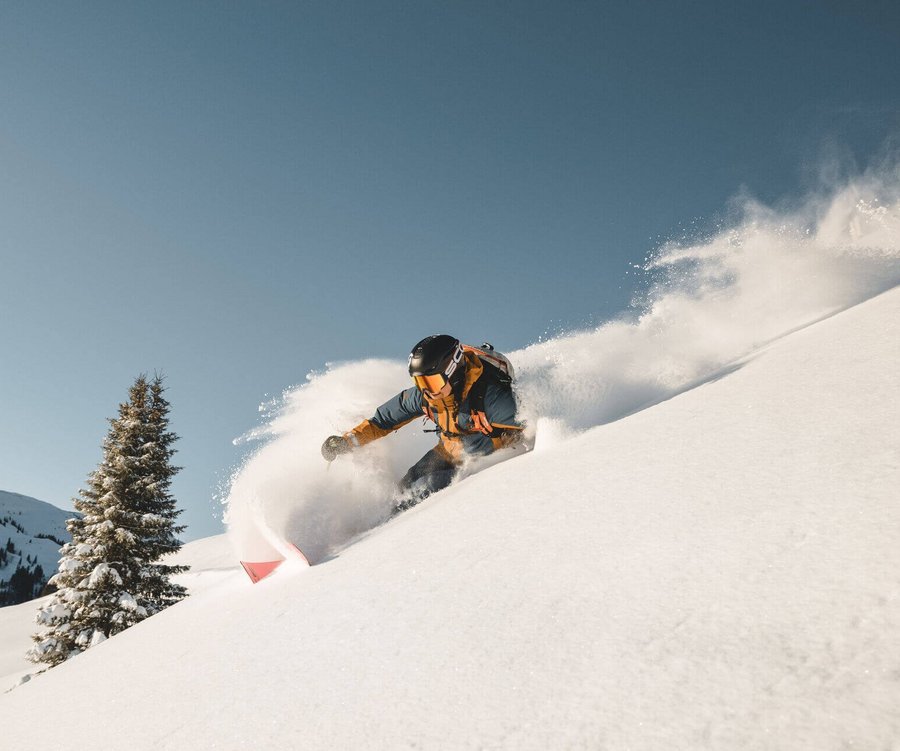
(109,575)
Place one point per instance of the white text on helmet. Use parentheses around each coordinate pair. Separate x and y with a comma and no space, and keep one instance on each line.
(454,361)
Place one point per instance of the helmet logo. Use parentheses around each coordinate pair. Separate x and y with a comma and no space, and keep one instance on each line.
(454,361)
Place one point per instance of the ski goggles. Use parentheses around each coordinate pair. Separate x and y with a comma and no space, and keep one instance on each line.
(430,383)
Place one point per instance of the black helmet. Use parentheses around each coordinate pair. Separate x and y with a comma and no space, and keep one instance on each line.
(436,360)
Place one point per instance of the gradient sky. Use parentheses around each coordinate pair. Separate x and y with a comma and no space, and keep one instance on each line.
(237,193)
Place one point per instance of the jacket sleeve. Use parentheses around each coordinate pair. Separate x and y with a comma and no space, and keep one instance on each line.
(393,414)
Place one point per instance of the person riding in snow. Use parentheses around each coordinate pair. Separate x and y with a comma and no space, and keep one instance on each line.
(466,391)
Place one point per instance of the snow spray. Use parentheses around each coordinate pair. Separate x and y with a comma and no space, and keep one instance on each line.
(710,303)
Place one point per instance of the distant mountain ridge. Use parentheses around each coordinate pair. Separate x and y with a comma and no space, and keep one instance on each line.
(31,534)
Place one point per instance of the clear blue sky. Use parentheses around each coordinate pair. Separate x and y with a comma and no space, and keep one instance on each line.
(236,193)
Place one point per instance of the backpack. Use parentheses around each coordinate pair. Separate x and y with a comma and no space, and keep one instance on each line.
(493,361)
(497,369)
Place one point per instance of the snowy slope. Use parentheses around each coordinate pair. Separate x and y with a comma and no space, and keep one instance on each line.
(22,519)
(209,559)
(718,570)
(16,627)
(36,516)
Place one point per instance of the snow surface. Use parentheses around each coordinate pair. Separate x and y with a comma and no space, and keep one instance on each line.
(701,551)
(210,559)
(719,571)
(35,517)
(16,626)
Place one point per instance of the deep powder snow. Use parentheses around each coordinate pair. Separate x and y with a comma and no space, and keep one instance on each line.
(718,570)
(711,302)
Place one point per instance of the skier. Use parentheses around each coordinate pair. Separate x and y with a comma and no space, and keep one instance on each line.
(466,391)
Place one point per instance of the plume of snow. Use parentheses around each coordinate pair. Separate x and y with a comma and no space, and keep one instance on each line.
(710,303)
(714,301)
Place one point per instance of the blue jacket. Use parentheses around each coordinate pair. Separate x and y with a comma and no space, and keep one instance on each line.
(459,433)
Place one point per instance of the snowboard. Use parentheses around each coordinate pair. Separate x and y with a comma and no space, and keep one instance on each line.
(267,551)
(259,570)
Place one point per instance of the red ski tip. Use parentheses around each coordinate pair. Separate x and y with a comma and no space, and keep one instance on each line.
(259,571)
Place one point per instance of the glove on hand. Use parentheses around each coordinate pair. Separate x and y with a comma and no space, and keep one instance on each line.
(334,446)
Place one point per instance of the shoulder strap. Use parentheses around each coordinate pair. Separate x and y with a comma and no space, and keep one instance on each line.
(491,373)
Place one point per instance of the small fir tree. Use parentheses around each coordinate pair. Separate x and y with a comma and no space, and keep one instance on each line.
(109,575)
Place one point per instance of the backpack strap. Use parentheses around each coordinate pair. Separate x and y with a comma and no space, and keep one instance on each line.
(490,374)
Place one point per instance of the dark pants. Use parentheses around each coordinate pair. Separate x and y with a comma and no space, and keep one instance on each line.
(433,472)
